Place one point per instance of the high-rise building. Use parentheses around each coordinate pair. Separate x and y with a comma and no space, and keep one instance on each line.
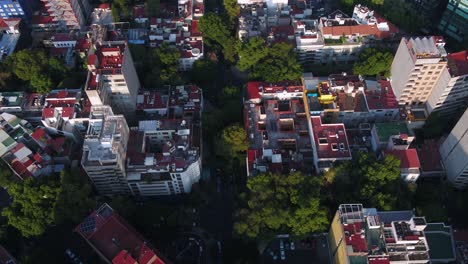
(454,152)
(416,69)
(112,78)
(104,151)
(115,240)
(69,14)
(451,93)
(16,8)
(454,20)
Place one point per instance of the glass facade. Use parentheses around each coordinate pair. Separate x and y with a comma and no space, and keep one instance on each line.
(454,22)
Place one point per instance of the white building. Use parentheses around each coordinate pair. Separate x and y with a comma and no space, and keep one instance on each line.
(105,150)
(112,78)
(451,91)
(454,153)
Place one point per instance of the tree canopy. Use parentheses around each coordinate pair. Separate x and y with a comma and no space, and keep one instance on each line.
(232,9)
(168,60)
(374,62)
(32,209)
(121,10)
(217,33)
(232,142)
(251,52)
(41,71)
(153,8)
(74,200)
(368,180)
(281,203)
(279,64)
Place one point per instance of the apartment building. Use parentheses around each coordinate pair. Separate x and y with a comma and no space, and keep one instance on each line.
(31,152)
(365,235)
(164,153)
(454,151)
(416,69)
(112,78)
(105,150)
(451,93)
(62,15)
(181,34)
(116,241)
(454,19)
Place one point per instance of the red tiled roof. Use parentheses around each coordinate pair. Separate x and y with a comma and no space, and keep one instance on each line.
(253,90)
(82,44)
(139,12)
(354,238)
(379,260)
(104,6)
(123,258)
(39,20)
(39,134)
(383,98)
(108,233)
(58,51)
(458,63)
(330,140)
(408,158)
(194,29)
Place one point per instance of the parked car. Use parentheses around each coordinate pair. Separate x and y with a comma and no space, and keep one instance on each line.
(293,247)
(283,255)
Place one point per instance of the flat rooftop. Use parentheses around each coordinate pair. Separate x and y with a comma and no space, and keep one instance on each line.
(330,140)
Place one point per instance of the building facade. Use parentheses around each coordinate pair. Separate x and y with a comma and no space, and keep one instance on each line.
(112,78)
(454,152)
(451,93)
(416,69)
(105,150)
(454,19)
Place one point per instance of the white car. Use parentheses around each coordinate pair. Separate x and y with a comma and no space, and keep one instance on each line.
(293,247)
(281,245)
(283,255)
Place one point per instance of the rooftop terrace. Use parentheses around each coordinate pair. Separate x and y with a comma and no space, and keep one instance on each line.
(331,141)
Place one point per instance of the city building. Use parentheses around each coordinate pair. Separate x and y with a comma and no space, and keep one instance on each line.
(164,152)
(32,152)
(440,239)
(112,78)
(11,102)
(454,151)
(454,19)
(416,69)
(365,235)
(62,15)
(277,129)
(351,100)
(105,150)
(62,46)
(115,240)
(10,33)
(6,257)
(180,34)
(16,9)
(452,96)
(409,163)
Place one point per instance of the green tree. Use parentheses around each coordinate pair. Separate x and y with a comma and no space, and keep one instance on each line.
(281,203)
(35,66)
(374,182)
(232,142)
(217,34)
(74,201)
(153,8)
(120,10)
(279,65)
(374,62)
(167,63)
(214,29)
(232,9)
(251,52)
(32,209)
